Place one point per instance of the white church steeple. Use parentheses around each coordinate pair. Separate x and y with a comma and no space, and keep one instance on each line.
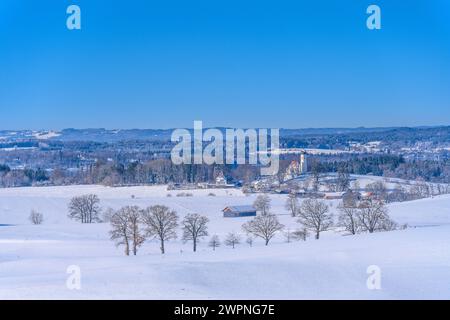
(303,163)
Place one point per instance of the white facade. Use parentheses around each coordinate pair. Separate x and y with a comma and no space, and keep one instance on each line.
(303,163)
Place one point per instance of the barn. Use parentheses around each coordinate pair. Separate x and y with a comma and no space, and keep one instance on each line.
(239,211)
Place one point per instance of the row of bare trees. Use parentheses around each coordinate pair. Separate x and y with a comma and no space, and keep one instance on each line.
(315,216)
(85,208)
(232,239)
(263,226)
(366,216)
(354,217)
(131,226)
(312,214)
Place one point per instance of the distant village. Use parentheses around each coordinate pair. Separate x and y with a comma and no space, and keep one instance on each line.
(297,179)
(310,160)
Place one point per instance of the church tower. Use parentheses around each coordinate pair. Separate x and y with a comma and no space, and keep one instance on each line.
(303,163)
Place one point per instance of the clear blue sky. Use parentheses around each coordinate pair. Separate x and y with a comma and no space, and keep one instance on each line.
(240,63)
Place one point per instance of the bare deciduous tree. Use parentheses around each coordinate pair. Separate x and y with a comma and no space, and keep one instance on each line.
(316,170)
(262,204)
(350,198)
(378,190)
(390,225)
(107,214)
(304,185)
(343,179)
(195,227)
(119,232)
(421,189)
(160,223)
(373,216)
(348,218)
(134,218)
(125,228)
(288,235)
(85,208)
(399,194)
(355,186)
(214,242)
(300,234)
(249,241)
(313,215)
(264,227)
(292,204)
(232,239)
(36,217)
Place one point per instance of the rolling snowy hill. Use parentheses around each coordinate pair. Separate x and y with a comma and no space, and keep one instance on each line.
(414,263)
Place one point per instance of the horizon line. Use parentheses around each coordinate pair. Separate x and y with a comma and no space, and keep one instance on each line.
(230,127)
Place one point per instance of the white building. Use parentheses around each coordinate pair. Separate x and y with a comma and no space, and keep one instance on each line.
(303,163)
(297,168)
(220,179)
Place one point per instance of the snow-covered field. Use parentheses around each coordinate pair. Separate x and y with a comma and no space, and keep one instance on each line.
(414,263)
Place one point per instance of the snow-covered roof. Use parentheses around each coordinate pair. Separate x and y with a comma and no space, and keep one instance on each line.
(239,208)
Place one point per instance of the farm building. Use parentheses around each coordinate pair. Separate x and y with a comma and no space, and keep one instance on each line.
(239,211)
(333,195)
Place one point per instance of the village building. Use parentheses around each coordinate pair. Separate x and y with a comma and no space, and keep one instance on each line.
(297,168)
(220,179)
(239,211)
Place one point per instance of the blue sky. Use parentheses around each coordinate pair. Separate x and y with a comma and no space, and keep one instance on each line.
(164,64)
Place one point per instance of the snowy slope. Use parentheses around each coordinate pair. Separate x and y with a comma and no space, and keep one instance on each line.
(415,263)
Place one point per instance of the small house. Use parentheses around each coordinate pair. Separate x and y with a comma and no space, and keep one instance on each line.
(221,180)
(333,195)
(239,211)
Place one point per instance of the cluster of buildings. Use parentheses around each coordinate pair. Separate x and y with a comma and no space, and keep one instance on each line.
(220,181)
(297,168)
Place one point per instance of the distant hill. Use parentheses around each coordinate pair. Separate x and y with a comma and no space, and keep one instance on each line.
(107,135)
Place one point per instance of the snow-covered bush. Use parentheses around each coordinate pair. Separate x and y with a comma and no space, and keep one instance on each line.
(232,239)
(184,194)
(300,234)
(36,217)
(214,242)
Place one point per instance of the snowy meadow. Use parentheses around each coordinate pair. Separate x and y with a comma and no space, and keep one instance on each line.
(36,260)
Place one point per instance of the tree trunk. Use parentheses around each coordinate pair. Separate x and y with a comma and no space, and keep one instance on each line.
(127,248)
(162,246)
(317,235)
(195,245)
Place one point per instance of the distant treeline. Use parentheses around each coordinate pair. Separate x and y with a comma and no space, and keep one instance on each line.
(392,166)
(163,171)
(159,171)
(393,139)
